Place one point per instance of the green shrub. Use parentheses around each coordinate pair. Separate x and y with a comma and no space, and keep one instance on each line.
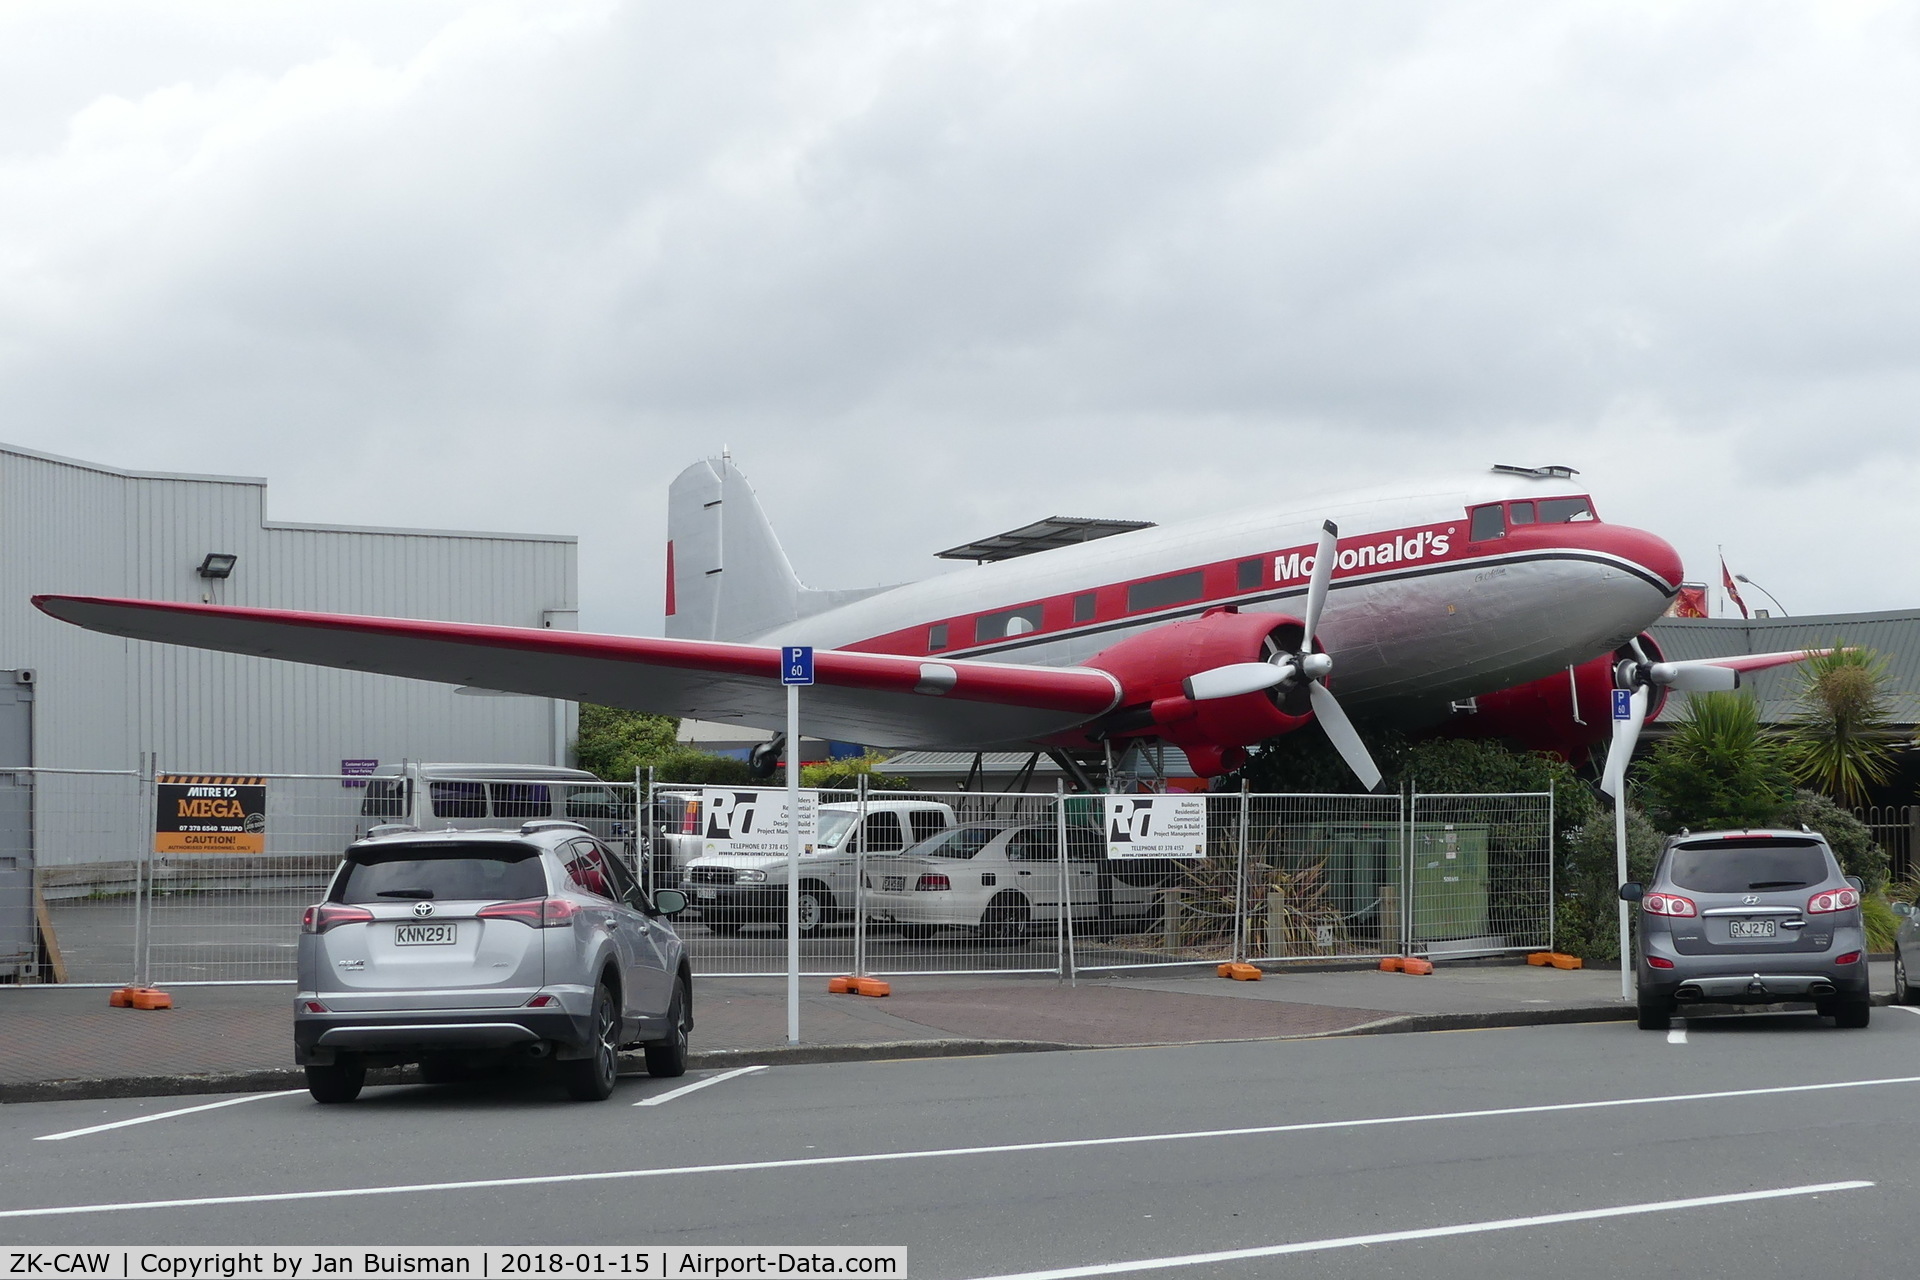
(1587,915)
(1719,768)
(1851,839)
(1877,915)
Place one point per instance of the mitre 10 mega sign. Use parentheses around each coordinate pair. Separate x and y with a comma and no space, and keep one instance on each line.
(203,813)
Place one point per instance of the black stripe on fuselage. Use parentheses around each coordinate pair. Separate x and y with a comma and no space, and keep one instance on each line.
(1199,607)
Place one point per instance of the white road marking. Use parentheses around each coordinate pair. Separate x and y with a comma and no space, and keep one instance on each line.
(1909,1008)
(163,1115)
(1678,1035)
(884,1157)
(1428,1233)
(684,1089)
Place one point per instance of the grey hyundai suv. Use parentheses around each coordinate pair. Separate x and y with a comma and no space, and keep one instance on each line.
(456,948)
(1750,917)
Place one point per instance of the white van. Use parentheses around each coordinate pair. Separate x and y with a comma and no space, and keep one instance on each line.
(465,797)
(733,890)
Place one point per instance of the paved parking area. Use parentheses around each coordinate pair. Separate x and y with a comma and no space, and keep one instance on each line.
(1759,1147)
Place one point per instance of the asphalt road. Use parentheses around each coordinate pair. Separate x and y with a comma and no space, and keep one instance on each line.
(1010,1165)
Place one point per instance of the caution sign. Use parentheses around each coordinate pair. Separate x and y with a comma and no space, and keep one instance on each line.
(210,813)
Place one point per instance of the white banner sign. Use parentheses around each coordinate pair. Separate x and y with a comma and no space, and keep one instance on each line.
(734,820)
(1156,826)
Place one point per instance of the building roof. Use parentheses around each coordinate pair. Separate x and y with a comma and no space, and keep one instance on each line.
(1895,633)
(1041,535)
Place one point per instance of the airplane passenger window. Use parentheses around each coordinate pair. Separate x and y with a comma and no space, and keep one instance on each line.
(1565,510)
(1155,592)
(937,637)
(1488,522)
(1247,574)
(1520,513)
(1009,622)
(1083,607)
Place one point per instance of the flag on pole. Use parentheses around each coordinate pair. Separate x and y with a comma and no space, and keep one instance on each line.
(1733,592)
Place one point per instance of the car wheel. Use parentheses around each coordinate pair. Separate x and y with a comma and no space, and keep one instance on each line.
(1903,991)
(724,928)
(1005,919)
(816,904)
(338,1082)
(669,1057)
(1656,1012)
(590,1079)
(1852,1013)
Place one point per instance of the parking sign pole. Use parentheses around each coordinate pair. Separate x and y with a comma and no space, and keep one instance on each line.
(796,669)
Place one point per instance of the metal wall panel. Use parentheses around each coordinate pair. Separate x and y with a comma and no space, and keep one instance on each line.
(78,528)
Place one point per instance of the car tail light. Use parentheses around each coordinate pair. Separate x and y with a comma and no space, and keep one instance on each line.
(932,880)
(1660,962)
(1668,904)
(690,819)
(535,913)
(1852,957)
(1833,900)
(322,916)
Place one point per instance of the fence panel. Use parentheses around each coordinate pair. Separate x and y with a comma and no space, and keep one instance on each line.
(1326,877)
(1480,874)
(1892,827)
(72,861)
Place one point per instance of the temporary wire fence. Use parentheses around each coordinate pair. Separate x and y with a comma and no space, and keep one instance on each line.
(892,883)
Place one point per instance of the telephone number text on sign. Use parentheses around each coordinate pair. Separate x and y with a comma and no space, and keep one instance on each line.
(205,813)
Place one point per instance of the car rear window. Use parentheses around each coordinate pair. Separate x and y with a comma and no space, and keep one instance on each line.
(961,842)
(443,873)
(1744,865)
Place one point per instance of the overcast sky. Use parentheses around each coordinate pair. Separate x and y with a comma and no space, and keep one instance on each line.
(934,270)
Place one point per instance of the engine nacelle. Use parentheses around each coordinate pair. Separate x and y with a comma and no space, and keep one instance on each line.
(1153,666)
(1563,714)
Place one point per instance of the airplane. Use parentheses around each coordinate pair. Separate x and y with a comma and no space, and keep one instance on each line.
(1496,604)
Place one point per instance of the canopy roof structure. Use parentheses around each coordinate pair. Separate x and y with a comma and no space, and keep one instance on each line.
(1041,535)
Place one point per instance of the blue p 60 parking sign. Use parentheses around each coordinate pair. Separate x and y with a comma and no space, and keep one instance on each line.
(1623,704)
(796,664)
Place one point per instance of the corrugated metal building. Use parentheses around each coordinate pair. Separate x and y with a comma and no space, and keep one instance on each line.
(1895,633)
(80,528)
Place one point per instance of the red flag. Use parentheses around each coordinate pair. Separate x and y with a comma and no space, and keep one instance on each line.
(1733,592)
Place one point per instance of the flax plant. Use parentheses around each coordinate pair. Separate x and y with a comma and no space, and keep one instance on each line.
(1840,737)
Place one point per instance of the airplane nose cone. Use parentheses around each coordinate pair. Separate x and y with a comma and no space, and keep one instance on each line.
(1649,551)
(1653,552)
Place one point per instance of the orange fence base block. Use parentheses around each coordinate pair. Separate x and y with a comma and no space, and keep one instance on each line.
(1413,964)
(1566,962)
(121,999)
(1240,972)
(871,987)
(150,998)
(1540,957)
(840,986)
(1391,964)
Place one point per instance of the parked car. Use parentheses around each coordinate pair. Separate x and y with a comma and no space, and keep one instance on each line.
(1905,989)
(734,890)
(1750,917)
(453,948)
(489,796)
(999,881)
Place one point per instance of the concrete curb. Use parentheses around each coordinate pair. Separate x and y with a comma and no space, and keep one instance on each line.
(799,1055)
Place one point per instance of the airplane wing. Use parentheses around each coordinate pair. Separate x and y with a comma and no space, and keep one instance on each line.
(877,699)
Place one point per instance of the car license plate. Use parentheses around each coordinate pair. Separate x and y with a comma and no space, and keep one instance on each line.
(1753,928)
(705,895)
(893,883)
(424,935)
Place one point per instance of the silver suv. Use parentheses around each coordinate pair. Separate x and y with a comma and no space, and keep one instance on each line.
(1750,917)
(454,948)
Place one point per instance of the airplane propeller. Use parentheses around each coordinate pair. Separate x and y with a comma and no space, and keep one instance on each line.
(1310,664)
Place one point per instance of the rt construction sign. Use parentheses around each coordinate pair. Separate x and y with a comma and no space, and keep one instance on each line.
(209,813)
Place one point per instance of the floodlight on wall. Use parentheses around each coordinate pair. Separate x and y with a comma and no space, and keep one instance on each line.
(218,564)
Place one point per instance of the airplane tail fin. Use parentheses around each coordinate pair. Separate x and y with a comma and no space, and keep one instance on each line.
(727,576)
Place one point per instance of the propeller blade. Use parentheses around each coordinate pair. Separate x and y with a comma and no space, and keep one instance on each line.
(1694,677)
(1340,731)
(1323,560)
(1626,733)
(1235,679)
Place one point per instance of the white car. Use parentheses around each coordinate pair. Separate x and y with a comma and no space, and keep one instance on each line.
(734,890)
(998,881)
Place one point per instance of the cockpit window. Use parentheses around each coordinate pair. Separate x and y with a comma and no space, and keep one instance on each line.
(1488,522)
(1519,513)
(1565,510)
